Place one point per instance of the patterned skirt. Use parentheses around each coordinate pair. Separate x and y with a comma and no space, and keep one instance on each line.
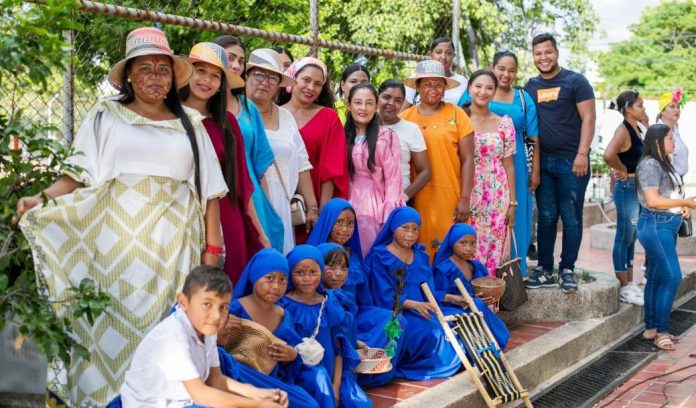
(137,237)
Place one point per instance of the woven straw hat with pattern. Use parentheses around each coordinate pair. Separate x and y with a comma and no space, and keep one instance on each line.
(430,69)
(249,345)
(215,55)
(150,41)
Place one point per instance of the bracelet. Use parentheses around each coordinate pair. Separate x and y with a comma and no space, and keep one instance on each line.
(582,154)
(213,250)
(464,198)
(513,204)
(313,208)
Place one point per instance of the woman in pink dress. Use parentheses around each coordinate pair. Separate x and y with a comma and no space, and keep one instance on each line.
(493,213)
(374,164)
(311,104)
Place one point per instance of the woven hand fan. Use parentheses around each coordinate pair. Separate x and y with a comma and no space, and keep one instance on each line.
(249,345)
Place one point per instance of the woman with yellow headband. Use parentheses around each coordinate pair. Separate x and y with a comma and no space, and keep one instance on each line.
(670,106)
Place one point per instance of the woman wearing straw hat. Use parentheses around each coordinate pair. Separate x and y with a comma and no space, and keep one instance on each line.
(290,171)
(131,219)
(447,130)
(240,225)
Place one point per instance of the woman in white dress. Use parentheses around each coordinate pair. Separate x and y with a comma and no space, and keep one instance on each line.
(139,215)
(290,171)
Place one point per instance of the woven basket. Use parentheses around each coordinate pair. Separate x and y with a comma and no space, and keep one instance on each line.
(489,287)
(373,361)
(249,345)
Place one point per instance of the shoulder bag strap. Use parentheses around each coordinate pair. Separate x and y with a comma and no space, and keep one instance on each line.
(282,182)
(321,311)
(524,113)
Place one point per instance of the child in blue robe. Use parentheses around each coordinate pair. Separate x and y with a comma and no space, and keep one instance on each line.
(427,352)
(454,259)
(315,313)
(337,224)
(263,282)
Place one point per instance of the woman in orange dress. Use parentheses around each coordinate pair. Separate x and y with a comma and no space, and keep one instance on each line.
(447,130)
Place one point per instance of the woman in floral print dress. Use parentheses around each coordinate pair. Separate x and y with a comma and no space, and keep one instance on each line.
(493,213)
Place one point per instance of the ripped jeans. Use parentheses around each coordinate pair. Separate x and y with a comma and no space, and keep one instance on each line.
(627,207)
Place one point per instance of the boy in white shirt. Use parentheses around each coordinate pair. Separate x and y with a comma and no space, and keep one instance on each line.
(177,364)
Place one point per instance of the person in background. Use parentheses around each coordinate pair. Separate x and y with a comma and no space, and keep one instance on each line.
(310,102)
(374,164)
(670,106)
(663,206)
(492,197)
(519,106)
(622,155)
(285,57)
(237,211)
(566,106)
(413,150)
(446,129)
(352,75)
(442,51)
(290,171)
(151,218)
(258,150)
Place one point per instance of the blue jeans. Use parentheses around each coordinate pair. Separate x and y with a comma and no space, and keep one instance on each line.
(626,199)
(560,193)
(657,232)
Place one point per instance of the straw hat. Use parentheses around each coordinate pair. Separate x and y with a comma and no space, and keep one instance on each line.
(430,69)
(150,41)
(215,55)
(268,60)
(249,345)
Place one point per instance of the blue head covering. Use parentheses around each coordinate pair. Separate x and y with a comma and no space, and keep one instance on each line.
(261,264)
(327,247)
(455,233)
(327,218)
(398,217)
(299,254)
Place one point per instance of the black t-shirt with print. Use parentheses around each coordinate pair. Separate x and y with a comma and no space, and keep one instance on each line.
(559,120)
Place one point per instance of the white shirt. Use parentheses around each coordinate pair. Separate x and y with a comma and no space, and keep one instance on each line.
(451,95)
(680,156)
(411,140)
(168,355)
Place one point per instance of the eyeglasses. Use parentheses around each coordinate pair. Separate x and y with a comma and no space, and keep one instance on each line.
(261,76)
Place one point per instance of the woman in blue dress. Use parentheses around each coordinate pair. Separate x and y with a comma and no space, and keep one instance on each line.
(256,146)
(427,353)
(320,316)
(454,259)
(518,105)
(262,284)
(337,224)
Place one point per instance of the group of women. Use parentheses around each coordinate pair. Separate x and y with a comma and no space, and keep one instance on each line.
(648,167)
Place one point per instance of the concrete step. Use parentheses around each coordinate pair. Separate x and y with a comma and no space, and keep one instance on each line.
(549,358)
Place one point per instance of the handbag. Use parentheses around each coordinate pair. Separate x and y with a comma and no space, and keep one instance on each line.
(298,209)
(686,228)
(528,141)
(311,351)
(515,294)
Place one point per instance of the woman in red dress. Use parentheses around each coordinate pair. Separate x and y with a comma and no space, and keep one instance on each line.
(202,93)
(311,104)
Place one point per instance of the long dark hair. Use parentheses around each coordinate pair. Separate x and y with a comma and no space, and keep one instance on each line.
(225,41)
(371,133)
(348,71)
(216,108)
(325,98)
(173,103)
(481,72)
(654,147)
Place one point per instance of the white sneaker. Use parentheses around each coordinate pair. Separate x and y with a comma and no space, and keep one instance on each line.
(628,295)
(635,288)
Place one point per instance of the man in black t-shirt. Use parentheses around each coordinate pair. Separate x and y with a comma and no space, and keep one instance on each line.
(566,107)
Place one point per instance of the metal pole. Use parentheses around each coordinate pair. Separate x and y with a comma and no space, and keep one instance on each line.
(459,61)
(68,88)
(314,27)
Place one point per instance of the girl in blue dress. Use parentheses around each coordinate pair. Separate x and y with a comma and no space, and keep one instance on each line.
(337,224)
(256,146)
(312,308)
(397,257)
(262,284)
(509,100)
(454,259)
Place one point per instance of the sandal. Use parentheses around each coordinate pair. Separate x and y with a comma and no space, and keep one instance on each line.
(664,342)
(653,335)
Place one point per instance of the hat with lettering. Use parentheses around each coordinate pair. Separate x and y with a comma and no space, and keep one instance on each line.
(430,69)
(150,41)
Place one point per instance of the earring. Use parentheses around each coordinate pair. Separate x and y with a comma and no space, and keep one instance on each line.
(128,80)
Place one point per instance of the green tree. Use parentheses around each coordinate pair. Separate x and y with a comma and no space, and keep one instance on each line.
(31,51)
(658,56)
